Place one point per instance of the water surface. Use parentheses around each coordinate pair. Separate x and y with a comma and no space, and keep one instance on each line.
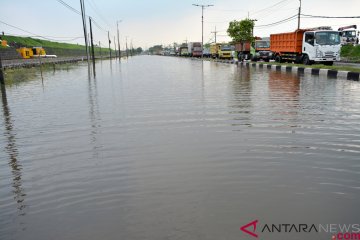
(171,148)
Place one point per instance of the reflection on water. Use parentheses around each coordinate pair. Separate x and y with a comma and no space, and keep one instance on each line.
(172,148)
(13,161)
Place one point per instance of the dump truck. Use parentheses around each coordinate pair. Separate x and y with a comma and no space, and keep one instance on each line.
(244,50)
(307,46)
(262,50)
(195,49)
(214,50)
(349,35)
(224,51)
(183,50)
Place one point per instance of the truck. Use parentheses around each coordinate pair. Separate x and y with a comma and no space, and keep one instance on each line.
(195,49)
(221,50)
(262,50)
(214,50)
(224,51)
(244,50)
(183,50)
(349,35)
(307,46)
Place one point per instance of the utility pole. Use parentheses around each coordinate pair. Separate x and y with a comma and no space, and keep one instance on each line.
(202,25)
(115,47)
(131,48)
(82,5)
(215,32)
(299,15)
(100,50)
(2,80)
(109,44)
(252,29)
(92,46)
(117,25)
(127,53)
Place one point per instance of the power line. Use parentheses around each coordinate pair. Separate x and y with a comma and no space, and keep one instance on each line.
(278,22)
(264,9)
(79,13)
(312,16)
(97,11)
(36,35)
(69,7)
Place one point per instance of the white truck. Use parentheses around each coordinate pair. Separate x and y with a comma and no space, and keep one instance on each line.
(307,46)
(349,35)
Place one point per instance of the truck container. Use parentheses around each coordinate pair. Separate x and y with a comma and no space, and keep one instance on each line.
(306,46)
(243,50)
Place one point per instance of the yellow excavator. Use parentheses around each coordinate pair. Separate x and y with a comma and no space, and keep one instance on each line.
(31,52)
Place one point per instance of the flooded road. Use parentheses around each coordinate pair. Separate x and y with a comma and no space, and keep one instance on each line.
(170,148)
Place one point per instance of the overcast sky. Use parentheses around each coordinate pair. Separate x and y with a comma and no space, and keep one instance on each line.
(150,22)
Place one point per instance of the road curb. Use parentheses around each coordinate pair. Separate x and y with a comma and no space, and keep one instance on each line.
(354,76)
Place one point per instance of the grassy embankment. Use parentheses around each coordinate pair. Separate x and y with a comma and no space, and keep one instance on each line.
(57,48)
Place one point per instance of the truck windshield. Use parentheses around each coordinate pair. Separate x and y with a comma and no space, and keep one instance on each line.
(225,48)
(262,44)
(349,34)
(327,38)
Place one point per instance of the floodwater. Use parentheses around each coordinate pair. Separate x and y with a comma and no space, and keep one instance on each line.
(170,148)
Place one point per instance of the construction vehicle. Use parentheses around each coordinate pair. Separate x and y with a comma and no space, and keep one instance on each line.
(307,46)
(262,50)
(31,52)
(195,49)
(349,35)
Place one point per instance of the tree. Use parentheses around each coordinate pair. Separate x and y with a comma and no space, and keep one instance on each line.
(241,31)
(138,50)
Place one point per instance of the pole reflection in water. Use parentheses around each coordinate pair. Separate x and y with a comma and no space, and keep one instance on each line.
(94,115)
(12,150)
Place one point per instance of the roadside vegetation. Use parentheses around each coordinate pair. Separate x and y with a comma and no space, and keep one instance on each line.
(351,53)
(58,48)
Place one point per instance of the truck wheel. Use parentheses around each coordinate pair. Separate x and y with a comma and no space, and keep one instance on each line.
(306,60)
(278,59)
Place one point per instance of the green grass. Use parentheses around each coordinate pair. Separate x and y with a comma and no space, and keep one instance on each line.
(351,52)
(58,47)
(33,42)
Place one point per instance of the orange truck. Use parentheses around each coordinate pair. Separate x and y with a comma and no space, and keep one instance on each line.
(307,46)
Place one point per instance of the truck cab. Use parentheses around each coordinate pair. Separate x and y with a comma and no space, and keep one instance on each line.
(349,35)
(225,51)
(321,46)
(262,50)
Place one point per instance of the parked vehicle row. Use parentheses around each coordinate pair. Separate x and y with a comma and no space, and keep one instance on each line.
(306,46)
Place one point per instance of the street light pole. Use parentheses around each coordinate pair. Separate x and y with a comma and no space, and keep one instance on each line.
(299,15)
(202,25)
(117,25)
